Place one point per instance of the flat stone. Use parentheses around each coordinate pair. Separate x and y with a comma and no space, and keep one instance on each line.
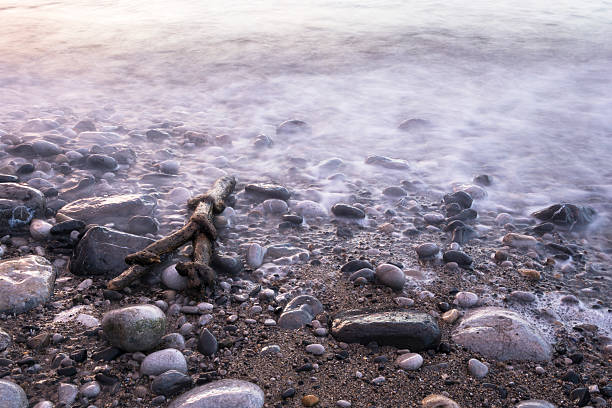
(12,395)
(347,211)
(410,361)
(566,215)
(387,162)
(45,148)
(102,251)
(207,343)
(266,191)
(355,265)
(134,328)
(391,276)
(162,361)
(535,404)
(170,383)
(501,334)
(299,312)
(19,204)
(293,127)
(400,328)
(221,394)
(25,283)
(519,240)
(316,349)
(117,209)
(460,257)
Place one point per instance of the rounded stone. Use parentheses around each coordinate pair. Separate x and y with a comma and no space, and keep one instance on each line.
(67,394)
(171,278)
(438,401)
(207,343)
(427,250)
(12,395)
(169,167)
(410,361)
(310,400)
(90,389)
(391,276)
(477,368)
(173,340)
(162,361)
(348,211)
(535,404)
(255,255)
(170,382)
(221,394)
(275,206)
(40,229)
(5,340)
(45,148)
(466,299)
(316,349)
(134,328)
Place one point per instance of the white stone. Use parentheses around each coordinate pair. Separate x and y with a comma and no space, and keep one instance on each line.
(477,368)
(161,361)
(171,278)
(40,229)
(25,283)
(410,361)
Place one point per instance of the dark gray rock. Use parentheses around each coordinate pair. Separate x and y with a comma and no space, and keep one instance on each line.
(460,197)
(134,328)
(427,251)
(207,343)
(463,234)
(293,127)
(501,334)
(400,328)
(299,312)
(388,163)
(365,273)
(142,224)
(173,340)
(7,178)
(395,192)
(67,227)
(170,383)
(25,283)
(102,162)
(355,265)
(221,394)
(45,148)
(266,191)
(5,340)
(117,209)
(567,215)
(102,251)
(459,257)
(12,395)
(19,205)
(346,210)
(464,215)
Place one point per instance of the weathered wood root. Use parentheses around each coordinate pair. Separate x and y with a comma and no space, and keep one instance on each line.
(199,229)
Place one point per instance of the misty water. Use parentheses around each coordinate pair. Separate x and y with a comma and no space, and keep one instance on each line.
(519,91)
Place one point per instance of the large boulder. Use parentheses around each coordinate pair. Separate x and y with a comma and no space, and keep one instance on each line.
(19,205)
(501,334)
(400,328)
(12,395)
(117,209)
(102,251)
(221,394)
(25,283)
(135,328)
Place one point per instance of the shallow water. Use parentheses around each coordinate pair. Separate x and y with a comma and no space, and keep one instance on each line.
(517,90)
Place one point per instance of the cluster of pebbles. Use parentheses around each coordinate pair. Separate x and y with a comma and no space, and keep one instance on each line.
(331,291)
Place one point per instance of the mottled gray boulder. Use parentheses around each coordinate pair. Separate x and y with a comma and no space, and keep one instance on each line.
(134,328)
(299,312)
(25,283)
(5,340)
(102,251)
(221,394)
(400,328)
(19,204)
(501,334)
(12,395)
(117,209)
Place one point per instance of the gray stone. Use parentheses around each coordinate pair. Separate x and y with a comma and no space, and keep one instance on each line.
(171,278)
(67,393)
(255,255)
(221,394)
(410,361)
(391,276)
(117,209)
(265,191)
(98,138)
(477,368)
(134,328)
(142,225)
(12,395)
(388,163)
(316,349)
(207,343)
(535,404)
(310,209)
(40,229)
(19,205)
(170,383)
(299,312)
(44,404)
(90,389)
(169,167)
(460,257)
(5,340)
(427,251)
(400,328)
(162,361)
(45,148)
(102,251)
(522,296)
(365,273)
(501,334)
(466,299)
(25,283)
(275,206)
(39,125)
(173,340)
(347,211)
(566,215)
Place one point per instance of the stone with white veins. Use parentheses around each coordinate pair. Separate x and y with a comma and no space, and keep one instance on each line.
(410,361)
(164,360)
(25,283)
(228,393)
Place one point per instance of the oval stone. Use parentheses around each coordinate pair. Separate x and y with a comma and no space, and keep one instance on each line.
(135,328)
(221,394)
(12,395)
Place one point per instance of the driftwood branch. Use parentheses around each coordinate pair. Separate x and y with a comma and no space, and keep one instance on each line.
(199,229)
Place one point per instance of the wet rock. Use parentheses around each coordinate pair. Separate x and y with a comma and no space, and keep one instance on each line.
(116,209)
(67,227)
(255,255)
(84,125)
(45,148)
(66,394)
(427,251)
(5,340)
(25,283)
(348,211)
(221,394)
(519,241)
(391,276)
(410,361)
(544,228)
(438,401)
(170,383)
(157,135)
(400,328)
(7,178)
(300,311)
(566,215)
(464,215)
(102,251)
(230,264)
(483,180)
(580,396)
(19,205)
(293,127)
(134,328)
(162,361)
(501,334)
(12,395)
(365,273)
(207,343)
(477,368)
(387,162)
(171,278)
(274,206)
(267,191)
(413,124)
(535,404)
(460,197)
(355,265)
(310,209)
(40,229)
(293,219)
(460,257)
(394,192)
(39,125)
(102,162)
(142,225)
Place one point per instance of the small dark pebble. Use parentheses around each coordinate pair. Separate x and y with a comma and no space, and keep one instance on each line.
(580,396)
(107,354)
(288,393)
